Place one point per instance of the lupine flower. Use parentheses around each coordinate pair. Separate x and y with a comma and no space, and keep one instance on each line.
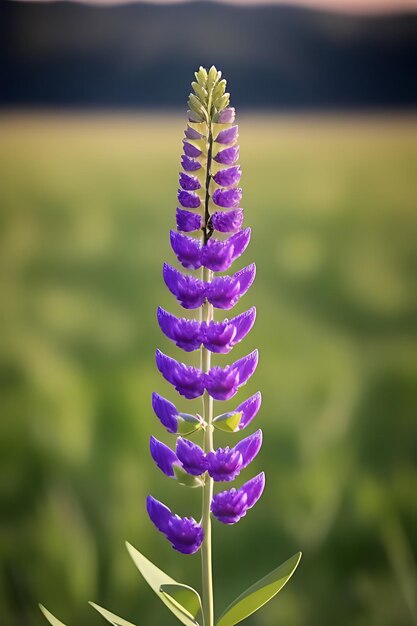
(227,221)
(230,506)
(225,464)
(184,533)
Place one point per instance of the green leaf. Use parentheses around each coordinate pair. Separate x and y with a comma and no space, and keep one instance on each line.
(228,422)
(184,478)
(188,424)
(157,579)
(51,619)
(184,598)
(259,594)
(110,617)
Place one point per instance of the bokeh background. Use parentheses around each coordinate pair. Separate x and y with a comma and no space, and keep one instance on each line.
(92,112)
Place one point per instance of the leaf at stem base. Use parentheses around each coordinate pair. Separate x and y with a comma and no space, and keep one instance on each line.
(259,594)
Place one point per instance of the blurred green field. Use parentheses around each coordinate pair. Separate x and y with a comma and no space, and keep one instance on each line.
(86,206)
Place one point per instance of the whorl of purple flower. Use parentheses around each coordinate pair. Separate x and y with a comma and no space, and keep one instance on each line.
(218,337)
(209,201)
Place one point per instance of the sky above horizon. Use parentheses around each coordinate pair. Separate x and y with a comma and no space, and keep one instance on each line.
(358,6)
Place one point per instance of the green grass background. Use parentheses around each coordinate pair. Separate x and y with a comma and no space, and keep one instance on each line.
(86,206)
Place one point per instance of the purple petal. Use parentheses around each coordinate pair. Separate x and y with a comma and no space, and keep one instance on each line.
(218,336)
(189,165)
(230,506)
(185,333)
(189,183)
(243,324)
(217,255)
(187,250)
(249,409)
(249,447)
(159,513)
(184,533)
(163,456)
(246,276)
(191,133)
(188,199)
(190,150)
(246,366)
(228,135)
(222,383)
(191,456)
(240,242)
(187,380)
(227,116)
(166,412)
(227,221)
(224,464)
(225,291)
(254,489)
(229,176)
(227,198)
(188,290)
(228,156)
(187,221)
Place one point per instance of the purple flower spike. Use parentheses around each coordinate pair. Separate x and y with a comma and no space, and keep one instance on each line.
(189,183)
(227,221)
(222,383)
(163,456)
(225,291)
(228,135)
(166,412)
(230,506)
(187,221)
(228,177)
(191,456)
(188,164)
(224,464)
(187,380)
(228,156)
(249,409)
(249,447)
(227,198)
(189,291)
(187,250)
(227,116)
(185,333)
(191,133)
(190,150)
(183,533)
(188,199)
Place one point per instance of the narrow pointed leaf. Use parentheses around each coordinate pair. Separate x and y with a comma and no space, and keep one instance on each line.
(184,597)
(156,578)
(228,422)
(51,619)
(110,617)
(259,594)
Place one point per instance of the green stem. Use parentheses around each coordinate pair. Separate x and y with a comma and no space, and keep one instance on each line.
(207,316)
